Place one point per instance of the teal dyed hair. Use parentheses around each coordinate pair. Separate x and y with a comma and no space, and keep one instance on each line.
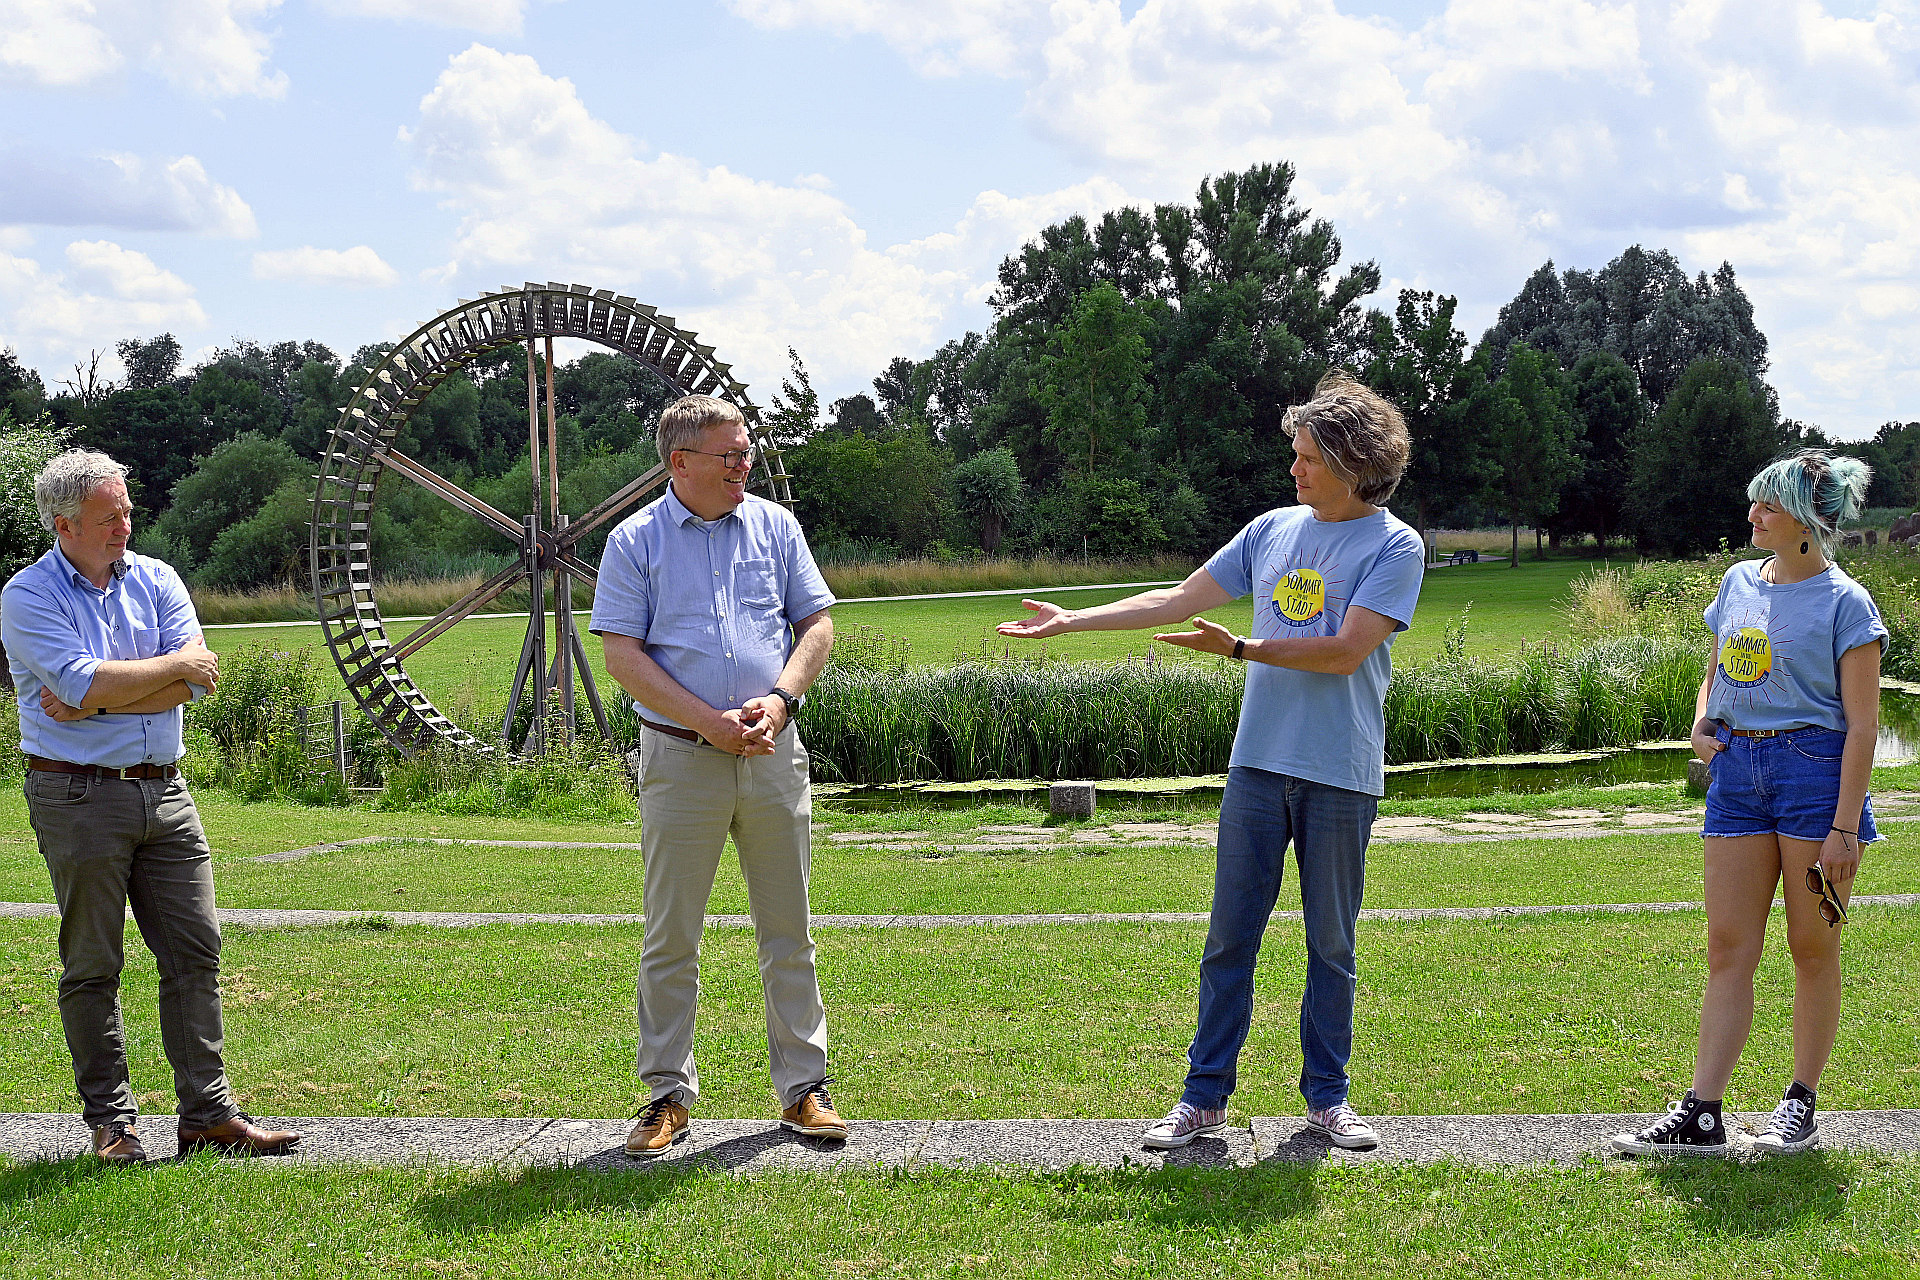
(1819,489)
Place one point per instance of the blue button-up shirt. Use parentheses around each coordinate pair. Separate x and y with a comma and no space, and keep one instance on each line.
(59,628)
(713,604)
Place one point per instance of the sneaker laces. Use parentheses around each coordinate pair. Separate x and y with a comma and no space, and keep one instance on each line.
(1183,1114)
(1667,1126)
(1340,1116)
(1788,1116)
(818,1090)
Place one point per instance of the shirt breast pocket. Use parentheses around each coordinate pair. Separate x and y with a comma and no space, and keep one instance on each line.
(756,586)
(144,640)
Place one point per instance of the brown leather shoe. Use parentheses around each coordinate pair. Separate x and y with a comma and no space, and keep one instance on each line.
(117,1143)
(663,1122)
(239,1136)
(814,1115)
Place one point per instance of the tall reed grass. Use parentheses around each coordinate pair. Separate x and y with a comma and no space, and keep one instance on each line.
(984,719)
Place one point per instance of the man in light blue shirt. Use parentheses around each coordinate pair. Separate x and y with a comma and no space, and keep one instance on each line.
(1334,579)
(104,649)
(714,619)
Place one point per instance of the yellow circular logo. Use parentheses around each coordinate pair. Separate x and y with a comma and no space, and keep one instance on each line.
(1299,597)
(1746,657)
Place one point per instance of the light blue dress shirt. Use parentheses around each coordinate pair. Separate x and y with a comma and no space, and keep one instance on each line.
(1304,574)
(59,628)
(713,603)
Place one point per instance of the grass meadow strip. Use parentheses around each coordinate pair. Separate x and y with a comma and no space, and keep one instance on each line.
(1826,1213)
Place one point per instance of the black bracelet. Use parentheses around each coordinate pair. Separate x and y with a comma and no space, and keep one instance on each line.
(1843,831)
(1239,650)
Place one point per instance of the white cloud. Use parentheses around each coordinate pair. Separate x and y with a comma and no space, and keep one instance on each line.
(544,187)
(53,317)
(210,48)
(358,267)
(495,17)
(128,193)
(1462,153)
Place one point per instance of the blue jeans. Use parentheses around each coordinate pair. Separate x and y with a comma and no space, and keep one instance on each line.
(1328,827)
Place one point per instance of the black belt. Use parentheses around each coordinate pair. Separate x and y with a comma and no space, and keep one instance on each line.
(44,765)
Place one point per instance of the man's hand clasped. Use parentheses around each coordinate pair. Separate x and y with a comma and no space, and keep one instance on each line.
(749,730)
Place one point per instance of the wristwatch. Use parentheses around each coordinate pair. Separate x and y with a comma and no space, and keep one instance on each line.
(794,701)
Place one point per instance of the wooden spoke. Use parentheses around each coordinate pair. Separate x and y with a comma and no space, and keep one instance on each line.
(452,493)
(484,594)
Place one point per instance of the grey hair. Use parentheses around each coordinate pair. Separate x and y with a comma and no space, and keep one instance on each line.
(682,422)
(1362,436)
(69,480)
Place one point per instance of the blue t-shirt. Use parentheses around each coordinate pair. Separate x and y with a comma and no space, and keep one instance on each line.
(1777,663)
(1304,574)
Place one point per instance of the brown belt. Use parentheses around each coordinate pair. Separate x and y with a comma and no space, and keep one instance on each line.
(100,770)
(687,734)
(1765,733)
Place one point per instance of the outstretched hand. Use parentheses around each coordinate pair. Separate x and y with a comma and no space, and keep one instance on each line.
(1207,637)
(1047,620)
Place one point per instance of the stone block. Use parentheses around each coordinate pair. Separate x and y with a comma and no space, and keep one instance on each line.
(1697,776)
(1071,799)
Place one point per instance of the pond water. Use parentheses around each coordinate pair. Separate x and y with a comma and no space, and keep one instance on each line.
(1899,741)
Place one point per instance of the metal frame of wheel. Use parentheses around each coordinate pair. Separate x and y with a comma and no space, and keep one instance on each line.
(361,451)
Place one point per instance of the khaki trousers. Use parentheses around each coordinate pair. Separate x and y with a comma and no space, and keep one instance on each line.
(691,797)
(108,842)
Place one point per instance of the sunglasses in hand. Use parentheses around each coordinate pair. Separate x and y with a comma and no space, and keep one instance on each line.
(1831,909)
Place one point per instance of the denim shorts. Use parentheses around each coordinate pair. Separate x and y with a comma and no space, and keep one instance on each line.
(1787,784)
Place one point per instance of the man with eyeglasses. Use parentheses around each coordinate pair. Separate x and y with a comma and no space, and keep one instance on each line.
(714,618)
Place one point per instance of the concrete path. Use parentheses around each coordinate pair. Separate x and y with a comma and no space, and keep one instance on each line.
(295,918)
(755,1145)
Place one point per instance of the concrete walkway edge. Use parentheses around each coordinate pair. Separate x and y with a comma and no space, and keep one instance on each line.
(750,1146)
(294,918)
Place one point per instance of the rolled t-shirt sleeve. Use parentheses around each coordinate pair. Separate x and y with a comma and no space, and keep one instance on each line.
(1856,621)
(1391,587)
(42,638)
(1232,565)
(622,597)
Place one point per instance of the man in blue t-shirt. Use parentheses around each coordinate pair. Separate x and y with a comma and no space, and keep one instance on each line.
(1336,578)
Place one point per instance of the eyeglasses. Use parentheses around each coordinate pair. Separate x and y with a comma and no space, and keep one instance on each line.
(1830,908)
(732,459)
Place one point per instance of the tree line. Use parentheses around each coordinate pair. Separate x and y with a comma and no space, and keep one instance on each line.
(1124,401)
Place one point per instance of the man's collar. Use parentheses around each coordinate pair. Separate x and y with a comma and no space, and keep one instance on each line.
(71,574)
(678,509)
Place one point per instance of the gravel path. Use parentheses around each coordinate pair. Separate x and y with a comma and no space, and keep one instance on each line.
(753,1145)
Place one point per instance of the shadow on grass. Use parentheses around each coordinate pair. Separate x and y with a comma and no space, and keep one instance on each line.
(511,1199)
(24,1181)
(1190,1197)
(1759,1197)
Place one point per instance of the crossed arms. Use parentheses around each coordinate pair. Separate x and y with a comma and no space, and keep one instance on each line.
(1361,630)
(141,686)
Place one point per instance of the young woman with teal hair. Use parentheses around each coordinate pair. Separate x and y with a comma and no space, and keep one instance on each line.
(1786,721)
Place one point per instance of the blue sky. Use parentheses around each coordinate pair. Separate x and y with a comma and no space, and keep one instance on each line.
(844,175)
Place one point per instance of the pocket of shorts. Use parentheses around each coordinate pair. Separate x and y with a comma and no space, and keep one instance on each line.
(47,787)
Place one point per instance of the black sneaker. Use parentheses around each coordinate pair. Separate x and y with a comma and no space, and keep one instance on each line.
(1690,1128)
(1792,1128)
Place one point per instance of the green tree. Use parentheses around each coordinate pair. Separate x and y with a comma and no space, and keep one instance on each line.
(156,434)
(22,394)
(150,363)
(268,547)
(1532,431)
(795,414)
(224,489)
(25,448)
(1613,413)
(1419,363)
(1688,488)
(987,491)
(1093,379)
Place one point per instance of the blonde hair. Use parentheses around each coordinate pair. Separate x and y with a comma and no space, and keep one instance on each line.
(1361,434)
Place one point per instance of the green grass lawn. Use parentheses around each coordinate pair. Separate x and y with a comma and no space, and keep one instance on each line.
(1525,1015)
(469,667)
(1826,1214)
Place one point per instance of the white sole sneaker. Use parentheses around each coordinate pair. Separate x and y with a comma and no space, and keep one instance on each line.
(816,1131)
(1768,1145)
(1629,1144)
(1169,1142)
(1351,1142)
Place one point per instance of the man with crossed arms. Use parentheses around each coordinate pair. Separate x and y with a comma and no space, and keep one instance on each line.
(714,618)
(105,648)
